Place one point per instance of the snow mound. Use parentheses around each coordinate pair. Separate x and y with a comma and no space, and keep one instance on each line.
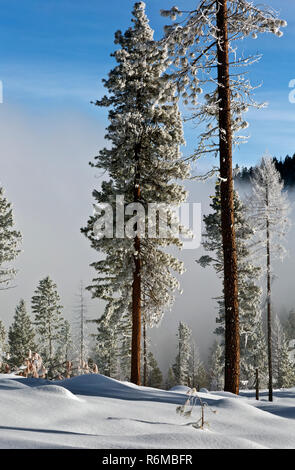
(9,376)
(98,385)
(204,390)
(33,382)
(7,383)
(123,415)
(179,389)
(57,390)
(93,384)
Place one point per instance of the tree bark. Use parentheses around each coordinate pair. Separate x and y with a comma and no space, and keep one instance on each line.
(232,334)
(50,342)
(257,383)
(136,288)
(81,326)
(144,354)
(269,326)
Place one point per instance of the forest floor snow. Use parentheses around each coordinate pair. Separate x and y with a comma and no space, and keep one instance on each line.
(94,411)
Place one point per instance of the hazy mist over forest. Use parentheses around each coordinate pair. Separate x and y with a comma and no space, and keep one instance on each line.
(49,132)
(47,178)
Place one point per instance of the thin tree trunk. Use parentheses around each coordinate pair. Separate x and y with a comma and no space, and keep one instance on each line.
(179,364)
(136,289)
(257,383)
(232,335)
(269,326)
(81,326)
(144,354)
(50,343)
(192,385)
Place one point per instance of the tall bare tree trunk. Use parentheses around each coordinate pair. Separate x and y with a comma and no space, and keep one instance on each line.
(136,289)
(50,342)
(81,325)
(232,334)
(144,354)
(257,383)
(269,326)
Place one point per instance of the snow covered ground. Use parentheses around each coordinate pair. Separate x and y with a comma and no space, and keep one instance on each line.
(93,411)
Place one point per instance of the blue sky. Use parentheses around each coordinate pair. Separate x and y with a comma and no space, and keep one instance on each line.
(55,52)
(53,56)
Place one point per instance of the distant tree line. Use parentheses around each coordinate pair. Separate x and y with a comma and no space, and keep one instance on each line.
(286,168)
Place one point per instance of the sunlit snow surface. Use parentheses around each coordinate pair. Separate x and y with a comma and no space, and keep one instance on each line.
(93,411)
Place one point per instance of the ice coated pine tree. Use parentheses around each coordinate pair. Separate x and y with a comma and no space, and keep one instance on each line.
(65,348)
(268,207)
(107,351)
(2,335)
(48,320)
(81,334)
(252,342)
(284,371)
(124,351)
(198,377)
(143,163)
(170,380)
(216,367)
(181,368)
(21,336)
(2,344)
(154,374)
(289,325)
(9,242)
(204,45)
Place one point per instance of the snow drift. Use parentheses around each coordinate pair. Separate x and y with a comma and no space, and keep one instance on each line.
(93,411)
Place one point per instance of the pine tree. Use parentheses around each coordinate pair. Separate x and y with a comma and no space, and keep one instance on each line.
(255,354)
(181,368)
(276,341)
(250,322)
(113,346)
(143,164)
(290,325)
(9,242)
(2,335)
(3,346)
(229,246)
(269,207)
(202,45)
(286,375)
(284,370)
(144,349)
(198,377)
(170,380)
(107,349)
(48,320)
(216,367)
(21,336)
(81,335)
(146,321)
(64,351)
(82,311)
(154,374)
(124,349)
